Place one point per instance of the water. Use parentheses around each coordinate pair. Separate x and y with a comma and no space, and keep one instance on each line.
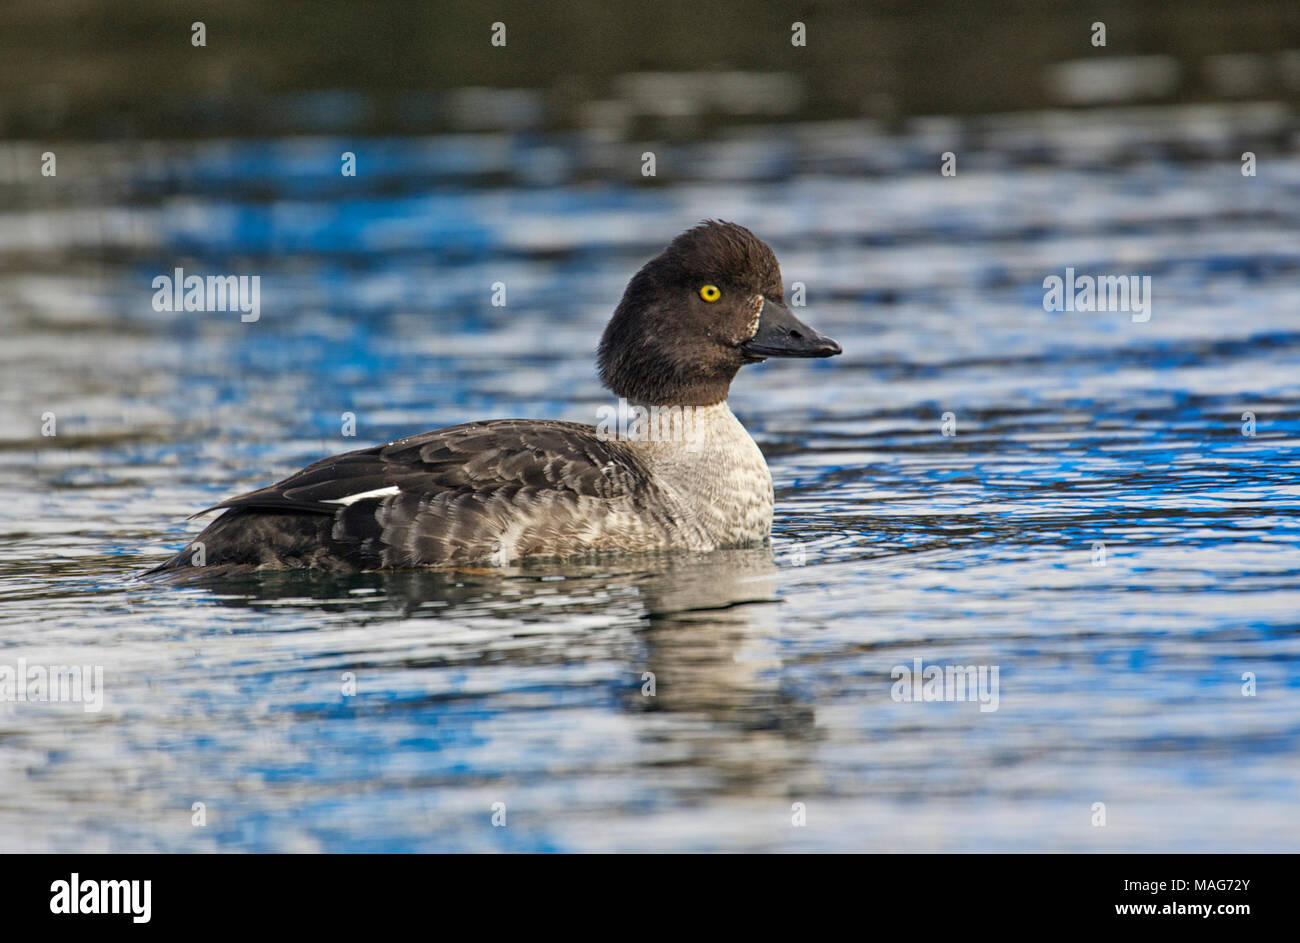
(1099,528)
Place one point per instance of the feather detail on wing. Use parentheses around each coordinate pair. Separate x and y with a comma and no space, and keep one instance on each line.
(480,458)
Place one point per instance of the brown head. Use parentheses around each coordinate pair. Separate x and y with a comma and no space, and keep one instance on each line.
(696,313)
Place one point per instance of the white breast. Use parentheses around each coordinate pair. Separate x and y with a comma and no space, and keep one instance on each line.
(712,467)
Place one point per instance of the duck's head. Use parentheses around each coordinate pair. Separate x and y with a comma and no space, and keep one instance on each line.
(696,313)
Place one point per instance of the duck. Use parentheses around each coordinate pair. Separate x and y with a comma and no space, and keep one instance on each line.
(677,472)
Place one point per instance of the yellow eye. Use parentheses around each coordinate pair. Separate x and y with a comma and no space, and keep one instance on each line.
(710,293)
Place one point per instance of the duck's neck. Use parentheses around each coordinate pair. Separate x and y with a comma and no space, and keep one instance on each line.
(710,463)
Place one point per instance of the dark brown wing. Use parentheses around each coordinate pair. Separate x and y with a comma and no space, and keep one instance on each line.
(484,490)
(478,457)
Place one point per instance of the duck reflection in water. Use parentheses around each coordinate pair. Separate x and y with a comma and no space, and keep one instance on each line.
(686,634)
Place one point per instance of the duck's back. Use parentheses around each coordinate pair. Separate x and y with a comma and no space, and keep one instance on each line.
(490,492)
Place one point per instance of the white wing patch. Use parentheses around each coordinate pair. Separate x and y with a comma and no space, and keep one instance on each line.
(353,498)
